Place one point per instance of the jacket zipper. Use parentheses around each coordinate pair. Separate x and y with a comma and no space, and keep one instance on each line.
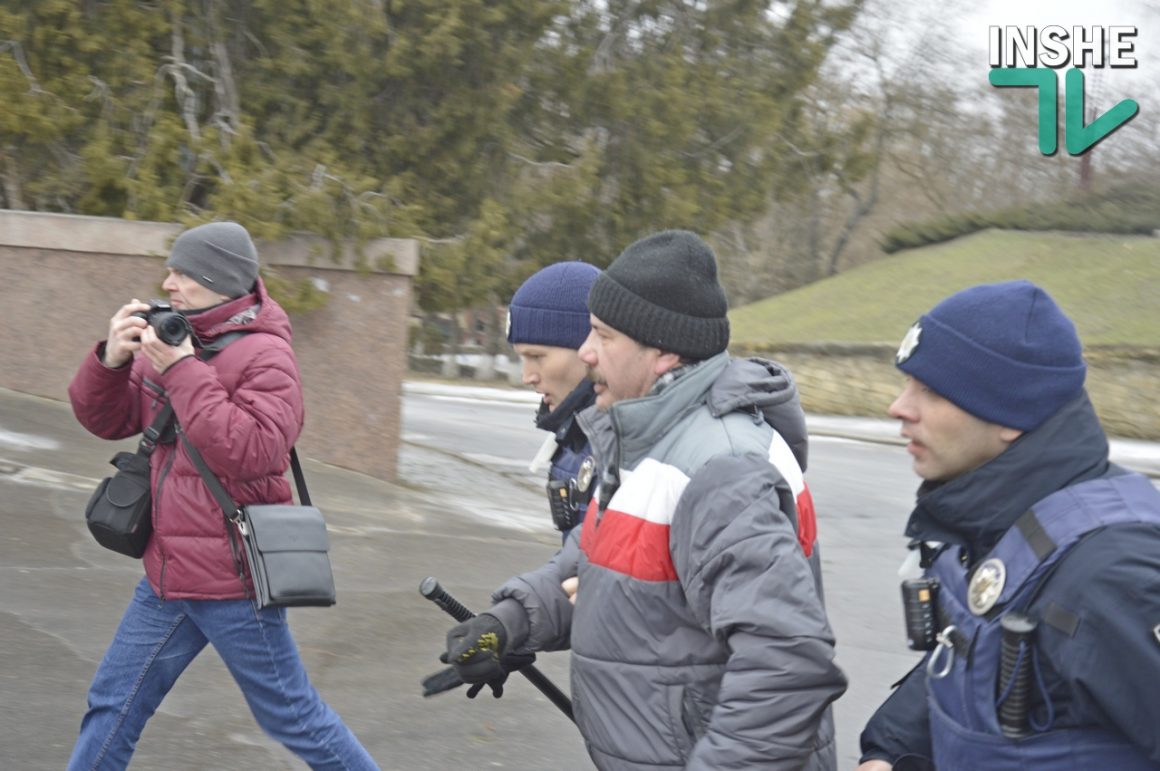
(614,474)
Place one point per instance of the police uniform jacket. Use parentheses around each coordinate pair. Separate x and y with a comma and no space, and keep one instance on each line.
(1098,640)
(572,445)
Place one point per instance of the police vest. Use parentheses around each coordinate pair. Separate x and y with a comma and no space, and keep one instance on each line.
(964,719)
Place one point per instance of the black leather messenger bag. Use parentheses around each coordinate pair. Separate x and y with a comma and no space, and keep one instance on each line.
(285,546)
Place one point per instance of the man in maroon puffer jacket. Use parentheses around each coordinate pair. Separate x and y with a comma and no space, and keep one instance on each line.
(243,411)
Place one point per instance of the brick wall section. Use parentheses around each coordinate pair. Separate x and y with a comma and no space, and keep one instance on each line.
(862,380)
(64,276)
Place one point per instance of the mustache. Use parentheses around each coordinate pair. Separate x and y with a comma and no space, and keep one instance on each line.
(595,376)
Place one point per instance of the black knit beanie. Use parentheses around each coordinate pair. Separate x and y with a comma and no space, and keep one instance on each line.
(663,292)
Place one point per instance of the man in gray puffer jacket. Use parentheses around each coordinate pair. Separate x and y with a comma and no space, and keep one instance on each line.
(699,639)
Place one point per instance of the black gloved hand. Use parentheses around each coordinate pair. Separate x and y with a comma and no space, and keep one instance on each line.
(475,649)
(446,679)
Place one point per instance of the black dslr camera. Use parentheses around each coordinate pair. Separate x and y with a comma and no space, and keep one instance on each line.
(172,328)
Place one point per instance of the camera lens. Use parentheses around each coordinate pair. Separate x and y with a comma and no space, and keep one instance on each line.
(172,328)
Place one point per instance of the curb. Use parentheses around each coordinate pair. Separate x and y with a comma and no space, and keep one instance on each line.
(483,393)
(1140,456)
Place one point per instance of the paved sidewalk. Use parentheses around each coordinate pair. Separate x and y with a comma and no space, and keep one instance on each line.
(63,596)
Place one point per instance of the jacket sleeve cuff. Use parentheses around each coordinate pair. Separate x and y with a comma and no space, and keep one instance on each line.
(163,377)
(95,363)
(515,622)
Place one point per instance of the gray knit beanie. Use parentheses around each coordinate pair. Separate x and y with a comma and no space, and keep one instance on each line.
(663,292)
(219,256)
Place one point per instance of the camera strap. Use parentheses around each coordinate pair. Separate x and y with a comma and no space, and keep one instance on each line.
(155,430)
(215,345)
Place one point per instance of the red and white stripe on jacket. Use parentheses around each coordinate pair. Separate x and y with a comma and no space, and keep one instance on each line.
(633,534)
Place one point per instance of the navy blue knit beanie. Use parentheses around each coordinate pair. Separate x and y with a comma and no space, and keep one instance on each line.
(663,292)
(550,308)
(1005,353)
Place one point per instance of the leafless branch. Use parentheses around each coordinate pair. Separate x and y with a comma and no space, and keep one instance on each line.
(453,240)
(18,55)
(186,99)
(228,110)
(540,164)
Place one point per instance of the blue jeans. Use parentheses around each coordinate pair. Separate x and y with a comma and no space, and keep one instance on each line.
(156,642)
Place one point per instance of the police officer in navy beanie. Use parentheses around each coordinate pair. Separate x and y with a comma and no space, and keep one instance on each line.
(547,323)
(1044,553)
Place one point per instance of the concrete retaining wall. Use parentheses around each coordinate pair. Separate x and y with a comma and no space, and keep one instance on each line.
(63,276)
(862,380)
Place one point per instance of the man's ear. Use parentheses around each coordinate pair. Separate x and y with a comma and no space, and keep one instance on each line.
(1008,434)
(665,362)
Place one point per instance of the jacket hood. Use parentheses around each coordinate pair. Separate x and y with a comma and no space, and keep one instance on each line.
(975,509)
(253,312)
(764,387)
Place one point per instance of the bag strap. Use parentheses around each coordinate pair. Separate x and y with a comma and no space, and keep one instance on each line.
(299,478)
(229,507)
(205,353)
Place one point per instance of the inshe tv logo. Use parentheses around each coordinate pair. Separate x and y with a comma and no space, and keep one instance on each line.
(1028,57)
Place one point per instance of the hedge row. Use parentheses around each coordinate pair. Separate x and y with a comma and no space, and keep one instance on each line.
(1126,209)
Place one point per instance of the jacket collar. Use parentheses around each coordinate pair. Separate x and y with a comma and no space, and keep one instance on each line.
(977,508)
(640,423)
(559,421)
(253,312)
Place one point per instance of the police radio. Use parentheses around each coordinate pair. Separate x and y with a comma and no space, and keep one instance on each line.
(920,609)
(564,503)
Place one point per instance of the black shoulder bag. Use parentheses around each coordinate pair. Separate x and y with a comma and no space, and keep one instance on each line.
(120,513)
(285,545)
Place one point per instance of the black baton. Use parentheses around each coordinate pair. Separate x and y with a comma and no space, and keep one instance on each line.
(431,589)
(1015,674)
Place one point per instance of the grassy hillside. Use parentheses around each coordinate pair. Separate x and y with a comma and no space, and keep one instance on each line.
(1110,286)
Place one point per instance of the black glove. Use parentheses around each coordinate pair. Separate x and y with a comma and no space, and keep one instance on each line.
(475,649)
(447,679)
